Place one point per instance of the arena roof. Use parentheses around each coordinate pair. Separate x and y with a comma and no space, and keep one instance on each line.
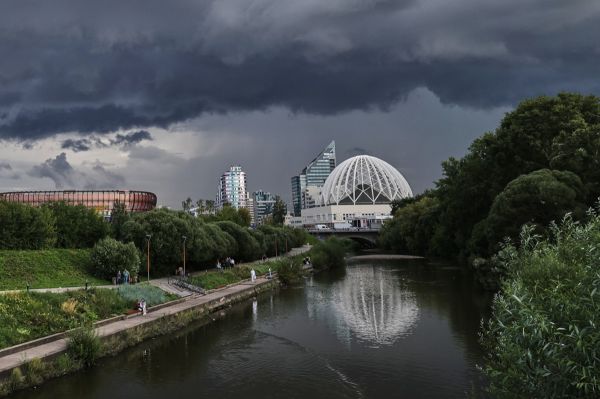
(364,179)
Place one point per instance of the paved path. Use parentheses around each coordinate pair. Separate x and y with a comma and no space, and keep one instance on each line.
(163,282)
(13,360)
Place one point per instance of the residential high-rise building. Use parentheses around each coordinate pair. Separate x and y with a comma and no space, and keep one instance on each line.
(232,188)
(263,205)
(312,176)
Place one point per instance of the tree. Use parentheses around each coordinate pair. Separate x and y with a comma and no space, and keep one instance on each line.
(76,225)
(187,204)
(25,227)
(201,205)
(244,217)
(536,198)
(210,207)
(248,247)
(279,211)
(110,256)
(118,217)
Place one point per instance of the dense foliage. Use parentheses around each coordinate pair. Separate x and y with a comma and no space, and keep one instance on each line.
(541,162)
(26,227)
(329,254)
(205,242)
(543,338)
(110,256)
(52,225)
(76,225)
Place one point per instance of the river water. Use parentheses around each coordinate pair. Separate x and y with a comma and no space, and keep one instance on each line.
(379,329)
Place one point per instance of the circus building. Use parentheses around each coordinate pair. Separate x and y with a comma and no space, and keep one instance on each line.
(102,201)
(358,193)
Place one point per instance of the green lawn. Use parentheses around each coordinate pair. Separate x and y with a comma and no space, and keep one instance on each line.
(45,268)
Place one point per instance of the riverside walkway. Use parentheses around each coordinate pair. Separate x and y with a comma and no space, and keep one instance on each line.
(49,347)
(213,299)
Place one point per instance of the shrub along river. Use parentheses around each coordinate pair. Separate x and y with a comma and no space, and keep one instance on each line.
(400,329)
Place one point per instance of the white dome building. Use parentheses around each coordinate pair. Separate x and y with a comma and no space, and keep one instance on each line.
(358,192)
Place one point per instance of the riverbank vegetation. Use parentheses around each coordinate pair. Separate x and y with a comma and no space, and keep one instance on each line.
(27,316)
(123,242)
(543,338)
(323,255)
(542,162)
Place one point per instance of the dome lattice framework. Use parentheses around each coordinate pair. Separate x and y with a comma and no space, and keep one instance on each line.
(364,180)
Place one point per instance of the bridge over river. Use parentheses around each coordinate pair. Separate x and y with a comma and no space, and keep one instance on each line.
(364,236)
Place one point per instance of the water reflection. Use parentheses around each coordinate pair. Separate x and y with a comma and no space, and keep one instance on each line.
(369,303)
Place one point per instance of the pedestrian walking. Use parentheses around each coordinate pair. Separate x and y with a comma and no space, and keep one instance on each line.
(119,277)
(125,276)
(252,275)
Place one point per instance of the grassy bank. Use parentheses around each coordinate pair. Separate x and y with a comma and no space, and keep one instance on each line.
(28,316)
(215,279)
(45,268)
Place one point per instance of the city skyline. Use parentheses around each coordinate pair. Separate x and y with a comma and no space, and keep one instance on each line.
(105,97)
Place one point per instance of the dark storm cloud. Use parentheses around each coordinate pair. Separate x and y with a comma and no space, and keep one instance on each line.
(120,140)
(69,66)
(5,166)
(77,145)
(60,171)
(131,138)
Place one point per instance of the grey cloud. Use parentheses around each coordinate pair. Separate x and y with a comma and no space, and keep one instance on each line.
(60,171)
(93,69)
(5,166)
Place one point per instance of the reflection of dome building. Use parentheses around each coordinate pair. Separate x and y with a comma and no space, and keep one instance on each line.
(369,305)
(359,191)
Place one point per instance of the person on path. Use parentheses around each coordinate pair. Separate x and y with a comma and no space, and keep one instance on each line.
(270,275)
(125,276)
(232,262)
(252,275)
(119,277)
(143,306)
(219,268)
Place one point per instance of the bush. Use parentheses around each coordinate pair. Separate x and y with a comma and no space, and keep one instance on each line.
(330,253)
(109,256)
(290,272)
(84,345)
(543,339)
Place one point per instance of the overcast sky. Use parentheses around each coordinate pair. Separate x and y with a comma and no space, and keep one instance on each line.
(164,95)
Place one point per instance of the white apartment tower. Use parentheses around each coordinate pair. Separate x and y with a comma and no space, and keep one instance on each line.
(232,189)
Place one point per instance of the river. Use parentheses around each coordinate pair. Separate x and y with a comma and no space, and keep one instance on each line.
(379,329)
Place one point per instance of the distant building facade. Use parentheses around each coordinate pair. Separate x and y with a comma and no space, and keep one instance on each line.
(232,189)
(263,205)
(101,201)
(305,185)
(358,193)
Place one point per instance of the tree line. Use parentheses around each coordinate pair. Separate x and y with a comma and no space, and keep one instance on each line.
(58,225)
(542,162)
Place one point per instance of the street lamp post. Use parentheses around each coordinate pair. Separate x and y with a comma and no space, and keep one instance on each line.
(148,237)
(184,238)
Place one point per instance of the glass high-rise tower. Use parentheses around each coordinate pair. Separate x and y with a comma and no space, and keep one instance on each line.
(313,175)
